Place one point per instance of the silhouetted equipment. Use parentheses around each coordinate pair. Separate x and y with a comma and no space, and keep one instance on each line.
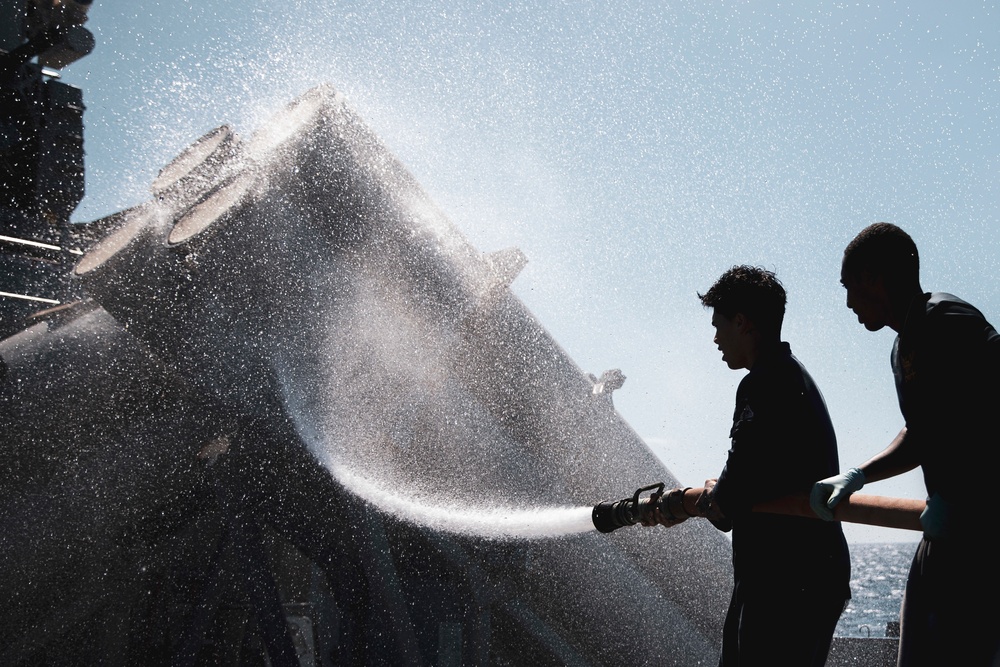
(51,30)
(286,314)
(41,155)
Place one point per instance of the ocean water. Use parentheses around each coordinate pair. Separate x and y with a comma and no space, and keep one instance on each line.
(878,577)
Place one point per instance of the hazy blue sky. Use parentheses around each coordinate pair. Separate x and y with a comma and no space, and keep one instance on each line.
(633,150)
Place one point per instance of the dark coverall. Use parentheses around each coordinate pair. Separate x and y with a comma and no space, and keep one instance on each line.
(791,574)
(946,363)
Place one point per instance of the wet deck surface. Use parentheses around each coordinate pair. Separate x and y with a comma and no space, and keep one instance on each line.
(864,652)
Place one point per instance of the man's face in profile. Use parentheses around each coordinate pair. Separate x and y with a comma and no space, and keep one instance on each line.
(867,297)
(729,339)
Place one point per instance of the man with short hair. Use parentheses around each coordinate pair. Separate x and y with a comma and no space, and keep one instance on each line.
(946,360)
(791,574)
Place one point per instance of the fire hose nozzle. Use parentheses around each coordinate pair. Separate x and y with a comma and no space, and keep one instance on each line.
(612,515)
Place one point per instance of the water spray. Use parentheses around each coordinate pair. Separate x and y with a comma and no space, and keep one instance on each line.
(683,503)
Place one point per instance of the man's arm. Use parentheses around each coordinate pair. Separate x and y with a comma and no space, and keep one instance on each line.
(899,457)
(681,504)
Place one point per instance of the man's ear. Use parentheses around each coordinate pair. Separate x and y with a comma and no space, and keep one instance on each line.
(742,322)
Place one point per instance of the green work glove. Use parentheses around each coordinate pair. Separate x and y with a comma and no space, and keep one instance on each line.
(826,493)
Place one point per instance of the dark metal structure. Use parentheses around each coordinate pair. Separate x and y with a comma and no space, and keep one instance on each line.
(284,315)
(41,154)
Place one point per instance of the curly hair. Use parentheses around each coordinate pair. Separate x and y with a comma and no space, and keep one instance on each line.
(883,249)
(753,291)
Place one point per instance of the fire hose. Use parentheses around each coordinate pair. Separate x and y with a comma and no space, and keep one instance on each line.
(684,503)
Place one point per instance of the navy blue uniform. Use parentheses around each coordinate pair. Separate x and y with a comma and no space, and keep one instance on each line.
(791,574)
(946,362)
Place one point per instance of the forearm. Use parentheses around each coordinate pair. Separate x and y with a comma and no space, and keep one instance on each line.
(899,457)
(694,502)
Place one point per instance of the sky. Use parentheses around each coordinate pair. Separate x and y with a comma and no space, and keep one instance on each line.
(633,150)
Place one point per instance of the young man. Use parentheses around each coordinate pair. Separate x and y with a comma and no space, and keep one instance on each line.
(791,574)
(946,360)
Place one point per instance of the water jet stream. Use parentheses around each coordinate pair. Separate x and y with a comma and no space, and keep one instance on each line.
(496,522)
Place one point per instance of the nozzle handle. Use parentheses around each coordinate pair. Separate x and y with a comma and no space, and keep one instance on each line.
(659,486)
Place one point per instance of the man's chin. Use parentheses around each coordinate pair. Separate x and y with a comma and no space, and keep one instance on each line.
(873,326)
